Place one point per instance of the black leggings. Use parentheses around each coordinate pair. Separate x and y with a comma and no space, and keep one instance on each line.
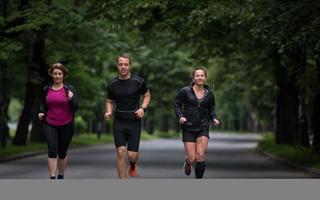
(58,139)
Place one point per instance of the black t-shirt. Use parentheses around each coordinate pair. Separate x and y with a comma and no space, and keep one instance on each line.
(126,93)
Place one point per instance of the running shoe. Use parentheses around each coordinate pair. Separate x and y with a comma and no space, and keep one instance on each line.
(187,168)
(133,170)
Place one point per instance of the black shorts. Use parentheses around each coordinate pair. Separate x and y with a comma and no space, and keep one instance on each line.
(127,133)
(191,136)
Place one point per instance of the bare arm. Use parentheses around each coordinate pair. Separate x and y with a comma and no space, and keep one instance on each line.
(145,102)
(109,109)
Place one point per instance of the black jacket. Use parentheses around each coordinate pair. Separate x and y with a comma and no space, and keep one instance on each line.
(199,116)
(73,103)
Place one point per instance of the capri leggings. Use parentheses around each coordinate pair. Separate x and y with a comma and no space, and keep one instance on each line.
(58,139)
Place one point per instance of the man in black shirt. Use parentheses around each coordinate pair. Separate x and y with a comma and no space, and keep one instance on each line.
(125,91)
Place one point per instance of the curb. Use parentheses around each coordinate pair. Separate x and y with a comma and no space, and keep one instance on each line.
(35,153)
(312,171)
(23,155)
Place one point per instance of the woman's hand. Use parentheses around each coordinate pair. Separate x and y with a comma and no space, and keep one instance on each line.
(182,120)
(215,122)
(40,116)
(70,95)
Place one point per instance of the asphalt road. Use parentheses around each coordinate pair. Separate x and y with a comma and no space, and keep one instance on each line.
(228,156)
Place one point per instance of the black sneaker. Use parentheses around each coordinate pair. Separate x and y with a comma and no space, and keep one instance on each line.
(187,168)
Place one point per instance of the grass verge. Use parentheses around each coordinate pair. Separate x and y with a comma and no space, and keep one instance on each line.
(303,156)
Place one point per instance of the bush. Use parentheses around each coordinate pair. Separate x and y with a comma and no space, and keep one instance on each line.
(80,124)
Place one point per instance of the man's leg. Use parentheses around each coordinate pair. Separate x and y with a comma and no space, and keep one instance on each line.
(133,159)
(120,141)
(121,162)
(134,135)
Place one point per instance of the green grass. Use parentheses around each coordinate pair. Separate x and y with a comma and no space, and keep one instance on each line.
(303,156)
(77,141)
(90,139)
(169,134)
(15,150)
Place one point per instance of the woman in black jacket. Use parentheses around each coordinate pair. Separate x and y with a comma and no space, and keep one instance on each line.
(57,113)
(194,106)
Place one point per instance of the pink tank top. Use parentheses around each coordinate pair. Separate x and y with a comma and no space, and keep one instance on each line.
(59,112)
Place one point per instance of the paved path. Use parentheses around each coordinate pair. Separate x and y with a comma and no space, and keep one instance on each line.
(228,156)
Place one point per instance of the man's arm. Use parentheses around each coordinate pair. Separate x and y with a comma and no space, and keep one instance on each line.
(145,102)
(109,109)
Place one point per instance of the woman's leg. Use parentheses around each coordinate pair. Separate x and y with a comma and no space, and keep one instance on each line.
(51,136)
(201,148)
(190,150)
(65,137)
(52,167)
(62,164)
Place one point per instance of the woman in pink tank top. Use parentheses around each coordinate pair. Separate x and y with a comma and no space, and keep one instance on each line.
(57,113)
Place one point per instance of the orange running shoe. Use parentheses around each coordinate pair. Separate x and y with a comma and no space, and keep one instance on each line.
(133,170)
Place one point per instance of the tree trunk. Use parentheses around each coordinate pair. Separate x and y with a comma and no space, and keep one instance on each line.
(4,105)
(287,104)
(316,116)
(316,124)
(303,135)
(4,97)
(21,135)
(287,113)
(37,75)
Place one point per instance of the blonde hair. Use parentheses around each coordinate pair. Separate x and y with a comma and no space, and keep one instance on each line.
(124,56)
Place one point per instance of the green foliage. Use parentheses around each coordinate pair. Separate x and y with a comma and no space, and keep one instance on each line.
(167,39)
(80,124)
(15,108)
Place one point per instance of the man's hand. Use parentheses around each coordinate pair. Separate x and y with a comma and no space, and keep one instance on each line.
(107,116)
(139,113)
(215,122)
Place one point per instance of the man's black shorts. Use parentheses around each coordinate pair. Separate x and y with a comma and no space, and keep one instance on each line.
(191,136)
(127,133)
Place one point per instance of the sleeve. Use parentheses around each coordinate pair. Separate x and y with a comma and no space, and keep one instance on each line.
(110,94)
(212,108)
(143,87)
(74,101)
(178,102)
(42,108)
